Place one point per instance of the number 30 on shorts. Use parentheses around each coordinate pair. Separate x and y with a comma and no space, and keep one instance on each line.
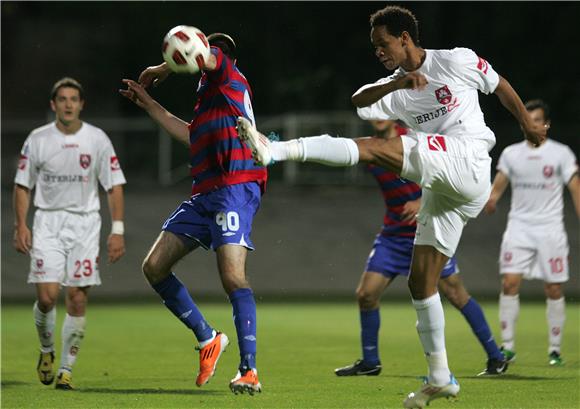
(229,221)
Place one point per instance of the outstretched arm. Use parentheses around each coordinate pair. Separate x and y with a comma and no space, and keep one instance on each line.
(500,183)
(574,188)
(511,100)
(156,74)
(370,95)
(176,127)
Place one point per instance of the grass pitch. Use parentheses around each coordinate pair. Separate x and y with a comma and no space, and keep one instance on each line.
(140,356)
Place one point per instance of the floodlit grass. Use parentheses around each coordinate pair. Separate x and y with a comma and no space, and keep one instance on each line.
(140,356)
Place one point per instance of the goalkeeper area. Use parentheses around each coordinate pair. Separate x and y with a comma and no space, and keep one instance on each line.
(138,356)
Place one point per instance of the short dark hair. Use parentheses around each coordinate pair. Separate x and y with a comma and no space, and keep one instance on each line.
(534,104)
(397,19)
(67,82)
(224,42)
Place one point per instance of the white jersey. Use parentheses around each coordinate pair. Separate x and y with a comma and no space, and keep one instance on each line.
(65,168)
(449,104)
(537,177)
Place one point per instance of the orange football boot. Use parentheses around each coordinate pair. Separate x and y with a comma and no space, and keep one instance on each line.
(209,356)
(248,382)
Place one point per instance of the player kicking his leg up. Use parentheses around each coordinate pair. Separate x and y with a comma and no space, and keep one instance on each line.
(446,153)
(391,257)
(226,194)
(538,249)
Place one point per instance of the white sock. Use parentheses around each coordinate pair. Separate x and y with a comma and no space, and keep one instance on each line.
(73,332)
(207,341)
(322,149)
(45,327)
(509,310)
(556,315)
(289,150)
(431,329)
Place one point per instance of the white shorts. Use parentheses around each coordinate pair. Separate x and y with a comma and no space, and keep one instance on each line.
(65,248)
(454,174)
(538,254)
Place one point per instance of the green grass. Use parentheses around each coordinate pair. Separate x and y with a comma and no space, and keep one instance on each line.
(139,356)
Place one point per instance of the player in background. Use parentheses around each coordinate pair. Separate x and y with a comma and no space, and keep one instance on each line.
(226,192)
(391,257)
(535,245)
(65,161)
(446,153)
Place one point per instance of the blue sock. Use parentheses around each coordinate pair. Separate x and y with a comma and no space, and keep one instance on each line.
(244,310)
(177,299)
(474,316)
(370,322)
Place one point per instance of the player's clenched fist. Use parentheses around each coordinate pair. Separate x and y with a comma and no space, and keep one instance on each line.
(536,133)
(413,80)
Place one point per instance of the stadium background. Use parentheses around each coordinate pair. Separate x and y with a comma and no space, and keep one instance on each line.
(303,60)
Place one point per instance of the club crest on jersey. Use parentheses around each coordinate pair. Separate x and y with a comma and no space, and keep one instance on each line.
(443,95)
(85,160)
(22,162)
(548,171)
(115,165)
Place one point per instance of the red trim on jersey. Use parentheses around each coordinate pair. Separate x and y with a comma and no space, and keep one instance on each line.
(259,176)
(404,190)
(387,234)
(387,177)
(234,154)
(206,139)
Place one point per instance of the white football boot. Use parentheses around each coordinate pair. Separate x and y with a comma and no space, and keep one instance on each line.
(428,392)
(256,141)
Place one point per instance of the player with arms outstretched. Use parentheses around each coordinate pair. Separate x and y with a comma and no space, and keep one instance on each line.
(391,257)
(226,193)
(64,162)
(446,153)
(535,245)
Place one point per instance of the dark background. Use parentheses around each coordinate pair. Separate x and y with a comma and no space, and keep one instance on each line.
(299,57)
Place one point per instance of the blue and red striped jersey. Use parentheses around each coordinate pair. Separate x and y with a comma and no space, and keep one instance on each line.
(396,192)
(218,157)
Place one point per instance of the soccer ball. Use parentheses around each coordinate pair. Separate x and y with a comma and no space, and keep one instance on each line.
(185,49)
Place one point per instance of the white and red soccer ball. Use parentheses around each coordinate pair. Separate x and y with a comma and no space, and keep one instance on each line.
(185,49)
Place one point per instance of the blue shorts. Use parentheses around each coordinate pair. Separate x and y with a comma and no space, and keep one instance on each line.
(391,256)
(212,219)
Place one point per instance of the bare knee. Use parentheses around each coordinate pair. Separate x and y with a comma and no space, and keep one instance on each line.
(165,252)
(553,291)
(46,302)
(153,269)
(453,289)
(231,261)
(232,282)
(367,300)
(47,296)
(511,284)
(421,288)
(76,301)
